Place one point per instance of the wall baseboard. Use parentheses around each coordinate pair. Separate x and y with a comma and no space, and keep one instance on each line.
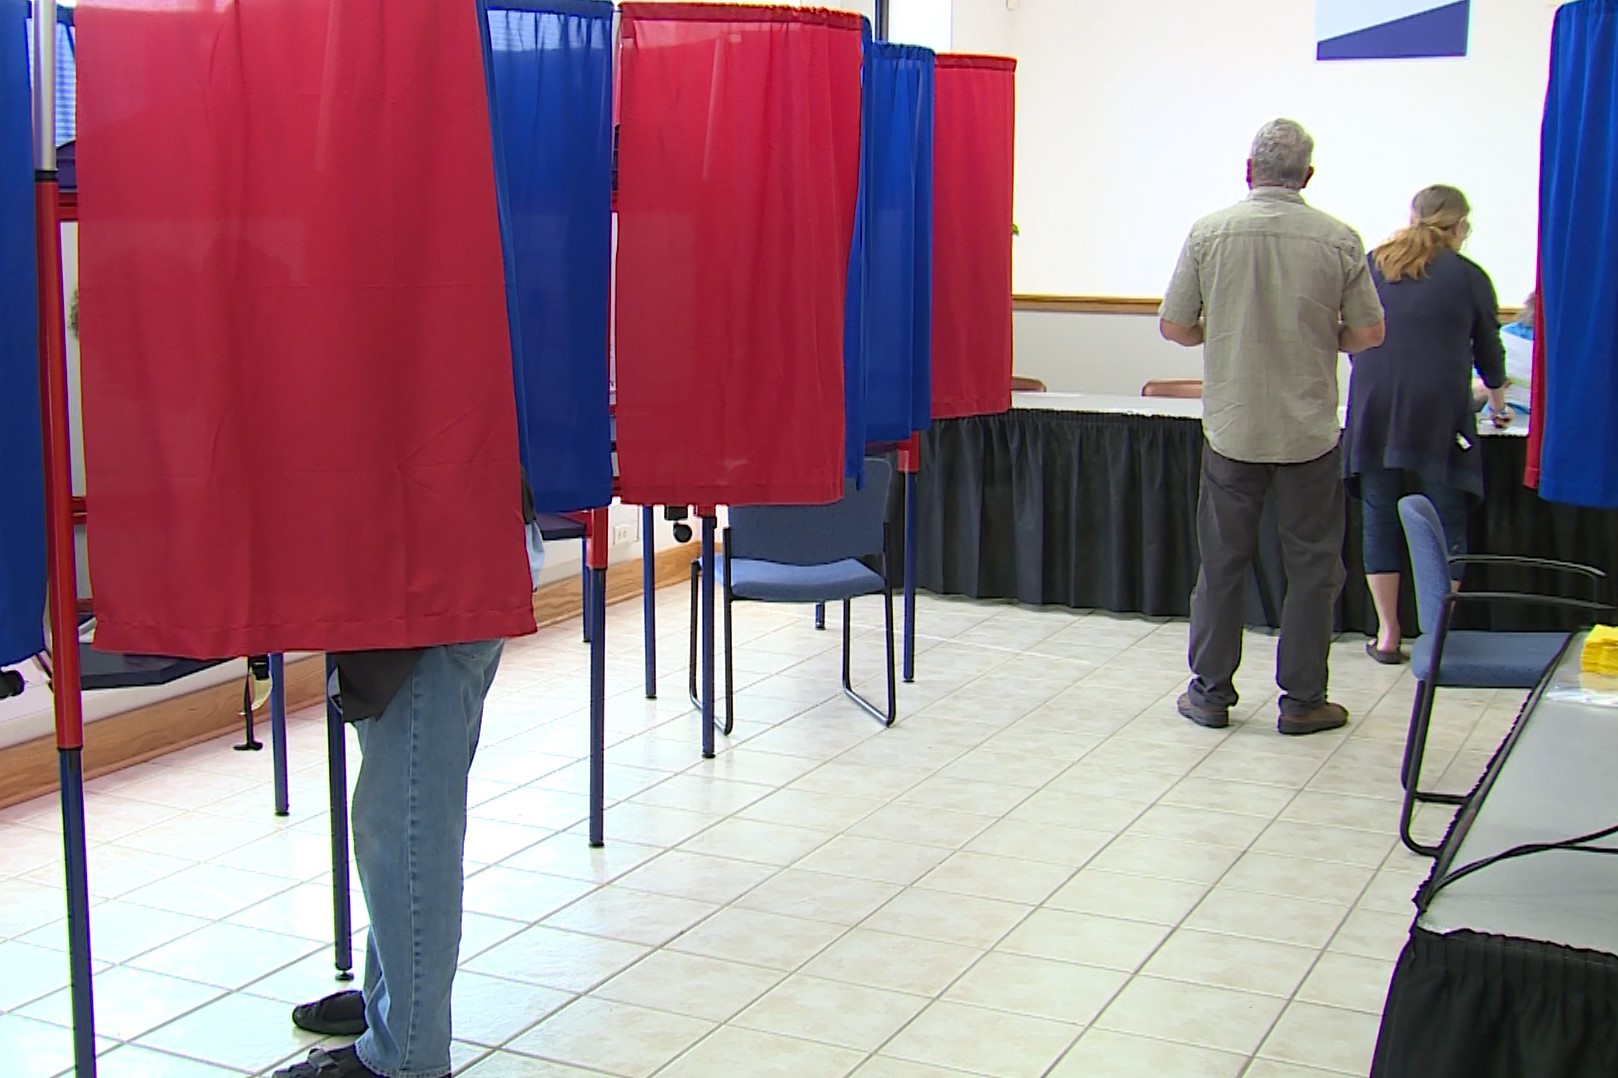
(29,770)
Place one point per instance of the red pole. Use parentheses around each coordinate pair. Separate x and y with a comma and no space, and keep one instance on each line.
(61,559)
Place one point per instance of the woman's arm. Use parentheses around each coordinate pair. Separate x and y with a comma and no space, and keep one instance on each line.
(1488,354)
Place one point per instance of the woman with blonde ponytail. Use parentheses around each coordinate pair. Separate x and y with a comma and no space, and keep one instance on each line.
(1411,422)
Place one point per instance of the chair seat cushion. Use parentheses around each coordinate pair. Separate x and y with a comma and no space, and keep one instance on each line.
(772,582)
(1482,660)
(555,527)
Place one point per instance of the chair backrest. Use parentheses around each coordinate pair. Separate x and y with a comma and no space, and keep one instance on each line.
(1185,388)
(816,534)
(1429,557)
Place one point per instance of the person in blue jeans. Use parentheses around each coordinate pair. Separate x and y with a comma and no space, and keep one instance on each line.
(417,713)
(1411,423)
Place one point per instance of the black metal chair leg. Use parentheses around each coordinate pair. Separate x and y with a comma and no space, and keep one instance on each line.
(691,668)
(727,722)
(1415,749)
(885,718)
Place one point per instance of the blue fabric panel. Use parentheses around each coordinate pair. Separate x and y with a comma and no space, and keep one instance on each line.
(22,472)
(888,331)
(1479,660)
(1578,212)
(550,71)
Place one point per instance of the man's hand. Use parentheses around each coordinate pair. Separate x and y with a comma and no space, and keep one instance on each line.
(1363,339)
(1189,336)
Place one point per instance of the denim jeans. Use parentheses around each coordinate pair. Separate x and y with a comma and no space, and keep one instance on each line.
(1383,533)
(409,816)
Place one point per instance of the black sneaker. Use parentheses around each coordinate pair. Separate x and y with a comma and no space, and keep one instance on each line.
(335,1063)
(341,1014)
(1214,718)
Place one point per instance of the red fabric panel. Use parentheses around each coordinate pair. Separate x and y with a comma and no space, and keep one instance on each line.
(973,149)
(300,428)
(1537,418)
(738,170)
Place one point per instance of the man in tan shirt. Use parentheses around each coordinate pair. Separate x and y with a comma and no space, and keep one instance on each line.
(1272,289)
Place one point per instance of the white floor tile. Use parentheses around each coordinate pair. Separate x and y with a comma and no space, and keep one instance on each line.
(1041,870)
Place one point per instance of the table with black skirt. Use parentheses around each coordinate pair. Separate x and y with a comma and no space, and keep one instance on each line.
(1090,502)
(1511,970)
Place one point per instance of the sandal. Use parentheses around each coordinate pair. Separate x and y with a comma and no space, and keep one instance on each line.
(1386,658)
(341,1014)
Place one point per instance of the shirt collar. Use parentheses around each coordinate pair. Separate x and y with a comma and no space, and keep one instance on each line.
(1274,194)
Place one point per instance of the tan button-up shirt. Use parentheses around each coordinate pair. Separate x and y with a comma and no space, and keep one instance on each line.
(1272,279)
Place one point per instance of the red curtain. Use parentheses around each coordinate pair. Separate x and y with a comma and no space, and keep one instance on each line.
(300,429)
(973,149)
(1536,394)
(738,170)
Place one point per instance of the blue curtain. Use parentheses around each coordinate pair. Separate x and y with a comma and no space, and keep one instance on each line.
(888,333)
(1578,208)
(67,79)
(550,73)
(22,472)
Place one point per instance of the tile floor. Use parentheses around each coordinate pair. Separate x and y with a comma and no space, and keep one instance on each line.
(1042,870)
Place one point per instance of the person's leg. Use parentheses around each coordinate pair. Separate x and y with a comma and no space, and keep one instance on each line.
(1229,505)
(409,815)
(1383,550)
(1309,502)
(1452,505)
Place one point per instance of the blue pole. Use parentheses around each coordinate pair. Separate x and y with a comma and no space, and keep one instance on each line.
(278,732)
(910,577)
(709,524)
(71,771)
(337,775)
(648,592)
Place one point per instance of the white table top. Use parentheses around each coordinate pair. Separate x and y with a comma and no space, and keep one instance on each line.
(1557,783)
(1177,407)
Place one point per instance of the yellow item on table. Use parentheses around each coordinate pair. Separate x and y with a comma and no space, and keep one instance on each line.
(1600,655)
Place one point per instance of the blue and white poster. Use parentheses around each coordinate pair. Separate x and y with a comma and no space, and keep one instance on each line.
(1390,29)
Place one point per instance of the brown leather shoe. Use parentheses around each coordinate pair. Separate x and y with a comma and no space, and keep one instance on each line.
(1323,718)
(1214,718)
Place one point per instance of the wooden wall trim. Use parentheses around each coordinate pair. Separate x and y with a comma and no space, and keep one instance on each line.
(1136,305)
(1086,304)
(111,744)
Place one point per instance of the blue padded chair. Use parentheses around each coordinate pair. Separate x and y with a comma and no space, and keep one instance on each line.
(1465,658)
(807,554)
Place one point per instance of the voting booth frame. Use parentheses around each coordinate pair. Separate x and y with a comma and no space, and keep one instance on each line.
(64,513)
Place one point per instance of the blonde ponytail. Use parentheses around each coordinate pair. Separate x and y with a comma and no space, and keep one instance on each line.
(1437,222)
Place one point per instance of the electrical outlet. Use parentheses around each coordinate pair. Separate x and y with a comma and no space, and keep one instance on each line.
(624,533)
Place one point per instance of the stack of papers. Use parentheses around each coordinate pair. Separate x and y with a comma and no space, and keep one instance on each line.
(1600,651)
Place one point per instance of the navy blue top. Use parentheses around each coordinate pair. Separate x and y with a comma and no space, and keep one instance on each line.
(1410,400)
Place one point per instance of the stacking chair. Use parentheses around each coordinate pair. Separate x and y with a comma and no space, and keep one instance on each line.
(807,554)
(1182,388)
(1467,658)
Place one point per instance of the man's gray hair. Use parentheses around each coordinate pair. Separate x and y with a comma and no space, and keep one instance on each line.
(1282,154)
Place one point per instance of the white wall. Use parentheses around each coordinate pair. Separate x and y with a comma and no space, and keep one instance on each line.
(1105,353)
(921,22)
(1134,118)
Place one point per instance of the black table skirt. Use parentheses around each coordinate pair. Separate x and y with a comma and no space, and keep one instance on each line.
(1469,1005)
(1098,511)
